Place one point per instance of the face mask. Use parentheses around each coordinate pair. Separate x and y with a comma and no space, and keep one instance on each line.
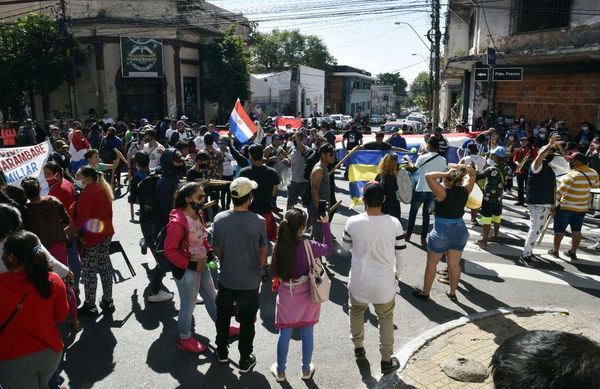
(521,120)
(490,162)
(542,135)
(196,206)
(80,184)
(52,180)
(585,128)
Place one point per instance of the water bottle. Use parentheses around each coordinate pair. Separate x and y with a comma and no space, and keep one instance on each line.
(211,260)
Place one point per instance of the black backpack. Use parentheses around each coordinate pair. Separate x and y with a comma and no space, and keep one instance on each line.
(23,137)
(146,192)
(107,153)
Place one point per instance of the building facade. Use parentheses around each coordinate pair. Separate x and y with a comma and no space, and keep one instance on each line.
(172,35)
(349,91)
(384,100)
(555,42)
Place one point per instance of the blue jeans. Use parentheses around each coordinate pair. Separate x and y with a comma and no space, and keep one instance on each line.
(283,345)
(419,198)
(208,294)
(188,287)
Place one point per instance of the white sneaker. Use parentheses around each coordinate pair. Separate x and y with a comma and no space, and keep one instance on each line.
(199,300)
(160,297)
(595,246)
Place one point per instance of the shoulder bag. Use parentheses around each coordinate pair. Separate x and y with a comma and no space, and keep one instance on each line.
(320,284)
(14,312)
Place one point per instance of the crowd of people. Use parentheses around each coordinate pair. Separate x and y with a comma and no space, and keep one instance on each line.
(205,202)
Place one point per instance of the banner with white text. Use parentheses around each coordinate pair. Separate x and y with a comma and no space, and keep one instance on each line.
(20,162)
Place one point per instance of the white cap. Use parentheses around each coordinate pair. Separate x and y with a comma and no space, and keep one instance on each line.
(241,186)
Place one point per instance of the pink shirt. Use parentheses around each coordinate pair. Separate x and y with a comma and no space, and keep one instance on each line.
(196,237)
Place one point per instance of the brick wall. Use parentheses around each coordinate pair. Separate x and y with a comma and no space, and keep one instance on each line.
(573,98)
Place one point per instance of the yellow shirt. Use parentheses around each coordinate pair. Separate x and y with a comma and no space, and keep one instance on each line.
(574,192)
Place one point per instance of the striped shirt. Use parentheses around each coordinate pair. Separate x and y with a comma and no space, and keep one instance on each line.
(376,244)
(574,191)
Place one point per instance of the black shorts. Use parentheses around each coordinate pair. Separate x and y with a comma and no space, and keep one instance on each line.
(490,209)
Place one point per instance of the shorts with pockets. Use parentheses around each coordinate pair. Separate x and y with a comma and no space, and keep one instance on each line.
(564,218)
(490,212)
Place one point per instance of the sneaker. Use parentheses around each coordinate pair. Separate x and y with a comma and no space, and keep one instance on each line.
(222,356)
(107,306)
(160,297)
(553,253)
(234,331)
(308,375)
(87,310)
(246,364)
(519,203)
(143,246)
(595,246)
(279,377)
(191,345)
(571,255)
(360,353)
(524,261)
(199,300)
(391,366)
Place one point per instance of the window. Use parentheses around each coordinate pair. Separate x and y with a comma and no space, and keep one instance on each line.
(538,15)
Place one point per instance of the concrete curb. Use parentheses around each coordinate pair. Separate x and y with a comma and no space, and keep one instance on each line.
(409,349)
(416,344)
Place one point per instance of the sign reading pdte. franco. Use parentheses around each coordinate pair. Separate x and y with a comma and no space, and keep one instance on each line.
(141,57)
(507,74)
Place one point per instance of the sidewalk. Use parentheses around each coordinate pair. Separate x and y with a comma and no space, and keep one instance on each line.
(477,340)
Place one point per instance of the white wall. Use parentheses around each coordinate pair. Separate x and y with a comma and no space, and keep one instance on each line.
(313,82)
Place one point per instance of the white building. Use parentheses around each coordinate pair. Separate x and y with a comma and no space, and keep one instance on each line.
(383,99)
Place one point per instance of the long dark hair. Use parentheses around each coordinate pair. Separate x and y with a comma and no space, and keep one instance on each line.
(185,191)
(56,168)
(26,248)
(90,172)
(284,252)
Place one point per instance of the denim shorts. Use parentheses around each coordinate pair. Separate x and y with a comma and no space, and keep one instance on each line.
(563,218)
(447,236)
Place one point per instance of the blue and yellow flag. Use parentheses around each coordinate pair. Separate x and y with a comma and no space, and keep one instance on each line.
(362,168)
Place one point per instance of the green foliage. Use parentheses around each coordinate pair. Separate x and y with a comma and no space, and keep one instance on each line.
(228,77)
(34,56)
(285,49)
(419,90)
(394,79)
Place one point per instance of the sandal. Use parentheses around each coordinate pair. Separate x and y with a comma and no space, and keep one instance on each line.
(444,280)
(443,272)
(452,297)
(417,293)
(492,239)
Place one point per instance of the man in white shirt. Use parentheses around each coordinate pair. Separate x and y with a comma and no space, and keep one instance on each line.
(376,241)
(431,161)
(153,148)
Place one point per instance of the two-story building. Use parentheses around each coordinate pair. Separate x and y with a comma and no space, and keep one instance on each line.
(555,42)
(349,91)
(145,58)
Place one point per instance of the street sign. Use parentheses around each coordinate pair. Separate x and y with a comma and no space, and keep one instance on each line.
(490,56)
(507,74)
(482,74)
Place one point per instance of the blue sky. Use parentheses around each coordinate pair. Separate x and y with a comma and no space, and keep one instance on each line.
(366,40)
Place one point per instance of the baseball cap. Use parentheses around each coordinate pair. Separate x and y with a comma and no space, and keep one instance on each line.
(577,156)
(499,152)
(144,121)
(183,117)
(241,186)
(60,144)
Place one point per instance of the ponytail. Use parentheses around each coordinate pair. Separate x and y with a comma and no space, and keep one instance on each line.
(26,248)
(89,171)
(284,252)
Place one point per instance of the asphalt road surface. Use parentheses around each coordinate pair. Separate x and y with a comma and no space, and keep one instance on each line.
(136,347)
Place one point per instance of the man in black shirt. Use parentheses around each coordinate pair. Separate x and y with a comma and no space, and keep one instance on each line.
(267,180)
(379,144)
(351,139)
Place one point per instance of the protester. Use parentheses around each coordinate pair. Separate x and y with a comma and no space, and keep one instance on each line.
(294,307)
(479,163)
(79,145)
(541,190)
(33,304)
(298,184)
(228,173)
(495,176)
(573,200)
(431,161)
(320,188)
(93,216)
(387,170)
(522,159)
(546,359)
(375,241)
(449,235)
(242,256)
(141,161)
(153,148)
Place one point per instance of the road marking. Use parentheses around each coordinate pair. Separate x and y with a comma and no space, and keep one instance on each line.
(488,269)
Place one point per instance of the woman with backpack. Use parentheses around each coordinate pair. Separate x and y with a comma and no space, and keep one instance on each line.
(387,170)
(294,307)
(33,303)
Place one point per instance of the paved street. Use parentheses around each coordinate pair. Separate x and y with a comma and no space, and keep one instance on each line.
(136,348)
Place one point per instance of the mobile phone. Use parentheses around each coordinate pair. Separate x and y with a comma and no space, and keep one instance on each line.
(322,207)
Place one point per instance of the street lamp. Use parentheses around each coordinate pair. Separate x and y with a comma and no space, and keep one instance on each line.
(422,57)
(415,31)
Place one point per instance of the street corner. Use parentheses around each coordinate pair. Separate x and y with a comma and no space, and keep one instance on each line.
(457,354)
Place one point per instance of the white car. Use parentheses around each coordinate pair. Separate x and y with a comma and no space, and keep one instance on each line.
(341,121)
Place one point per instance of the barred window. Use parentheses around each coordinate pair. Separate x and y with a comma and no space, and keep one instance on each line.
(538,15)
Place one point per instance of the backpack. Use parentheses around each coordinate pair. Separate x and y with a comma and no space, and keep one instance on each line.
(106,152)
(146,192)
(23,137)
(405,186)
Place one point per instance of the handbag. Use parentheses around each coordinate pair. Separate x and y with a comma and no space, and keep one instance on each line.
(320,284)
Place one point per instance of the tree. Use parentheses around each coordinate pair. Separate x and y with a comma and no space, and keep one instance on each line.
(285,49)
(419,90)
(227,78)
(394,79)
(36,58)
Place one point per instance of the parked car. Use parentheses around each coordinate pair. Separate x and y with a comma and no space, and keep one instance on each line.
(376,119)
(402,124)
(341,121)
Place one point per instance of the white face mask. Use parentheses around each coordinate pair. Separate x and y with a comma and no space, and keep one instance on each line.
(80,184)
(490,162)
(542,135)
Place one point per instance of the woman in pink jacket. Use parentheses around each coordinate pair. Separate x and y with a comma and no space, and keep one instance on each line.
(187,249)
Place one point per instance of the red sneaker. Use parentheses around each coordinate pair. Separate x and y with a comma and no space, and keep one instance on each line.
(191,345)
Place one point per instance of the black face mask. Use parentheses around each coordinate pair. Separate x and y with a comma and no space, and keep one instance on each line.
(196,206)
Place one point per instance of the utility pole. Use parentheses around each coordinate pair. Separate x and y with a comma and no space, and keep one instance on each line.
(435,14)
(69,55)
